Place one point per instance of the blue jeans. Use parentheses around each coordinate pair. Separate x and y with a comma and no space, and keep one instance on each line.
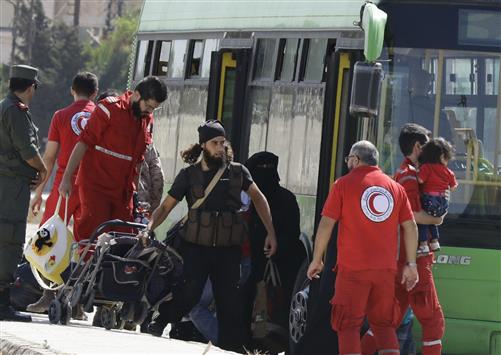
(435,206)
(404,334)
(202,316)
(406,339)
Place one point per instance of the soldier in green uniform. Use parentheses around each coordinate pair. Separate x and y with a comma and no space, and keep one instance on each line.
(21,168)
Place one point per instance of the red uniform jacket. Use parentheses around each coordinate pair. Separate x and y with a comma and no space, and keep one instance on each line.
(369,207)
(65,128)
(117,141)
(407,176)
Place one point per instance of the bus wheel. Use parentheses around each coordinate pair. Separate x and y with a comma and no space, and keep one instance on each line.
(299,307)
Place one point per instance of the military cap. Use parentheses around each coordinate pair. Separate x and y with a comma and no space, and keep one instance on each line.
(24,72)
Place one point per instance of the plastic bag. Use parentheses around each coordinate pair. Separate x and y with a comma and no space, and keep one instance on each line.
(268,300)
(49,250)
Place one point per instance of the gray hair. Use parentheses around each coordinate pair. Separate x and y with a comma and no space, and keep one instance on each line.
(366,152)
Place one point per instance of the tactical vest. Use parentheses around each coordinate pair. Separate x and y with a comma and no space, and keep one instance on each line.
(215,228)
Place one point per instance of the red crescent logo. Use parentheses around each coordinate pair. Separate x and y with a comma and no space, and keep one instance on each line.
(372,207)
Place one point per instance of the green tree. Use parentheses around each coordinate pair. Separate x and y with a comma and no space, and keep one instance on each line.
(4,79)
(54,49)
(110,60)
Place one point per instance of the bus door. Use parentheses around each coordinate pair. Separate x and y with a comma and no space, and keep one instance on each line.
(339,132)
(227,86)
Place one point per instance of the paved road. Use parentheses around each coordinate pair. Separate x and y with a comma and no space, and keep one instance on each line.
(79,337)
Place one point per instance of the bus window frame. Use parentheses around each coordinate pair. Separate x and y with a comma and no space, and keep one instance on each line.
(282,43)
(188,36)
(304,60)
(255,53)
(189,59)
(150,50)
(182,77)
(157,50)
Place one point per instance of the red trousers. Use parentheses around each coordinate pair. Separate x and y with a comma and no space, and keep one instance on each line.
(424,302)
(73,207)
(361,293)
(97,207)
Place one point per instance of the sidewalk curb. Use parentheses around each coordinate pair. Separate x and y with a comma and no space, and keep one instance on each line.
(12,345)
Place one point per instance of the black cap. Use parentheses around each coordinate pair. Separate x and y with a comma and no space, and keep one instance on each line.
(209,130)
(24,72)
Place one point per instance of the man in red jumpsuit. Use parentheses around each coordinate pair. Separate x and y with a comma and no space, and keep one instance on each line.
(109,149)
(64,130)
(369,207)
(65,127)
(423,298)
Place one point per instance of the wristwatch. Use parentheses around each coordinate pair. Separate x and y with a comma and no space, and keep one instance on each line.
(411,264)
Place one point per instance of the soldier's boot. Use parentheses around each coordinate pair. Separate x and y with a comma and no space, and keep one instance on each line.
(156,328)
(42,305)
(7,312)
(96,321)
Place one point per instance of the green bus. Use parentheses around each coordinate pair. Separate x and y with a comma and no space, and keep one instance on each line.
(278,74)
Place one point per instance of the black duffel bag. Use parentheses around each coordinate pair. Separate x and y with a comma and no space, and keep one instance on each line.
(26,289)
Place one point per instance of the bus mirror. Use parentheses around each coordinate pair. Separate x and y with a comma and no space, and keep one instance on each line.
(366,89)
(372,22)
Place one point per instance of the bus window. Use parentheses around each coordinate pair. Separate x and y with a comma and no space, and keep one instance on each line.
(287,121)
(461,76)
(314,63)
(210,46)
(264,63)
(287,59)
(258,107)
(491,78)
(195,58)
(163,57)
(177,59)
(143,61)
(454,95)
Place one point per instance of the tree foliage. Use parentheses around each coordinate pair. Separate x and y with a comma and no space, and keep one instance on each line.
(110,60)
(58,51)
(53,48)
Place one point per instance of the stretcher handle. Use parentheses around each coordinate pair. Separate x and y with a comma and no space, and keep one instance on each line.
(115,223)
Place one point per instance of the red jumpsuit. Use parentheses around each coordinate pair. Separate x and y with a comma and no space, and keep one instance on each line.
(116,142)
(369,206)
(65,127)
(423,297)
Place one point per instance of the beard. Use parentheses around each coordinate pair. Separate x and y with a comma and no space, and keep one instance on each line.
(214,162)
(136,110)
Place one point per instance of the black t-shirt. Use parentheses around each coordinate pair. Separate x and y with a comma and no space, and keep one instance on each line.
(218,196)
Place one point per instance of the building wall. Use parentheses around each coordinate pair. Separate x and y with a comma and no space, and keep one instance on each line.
(93,18)
(6,16)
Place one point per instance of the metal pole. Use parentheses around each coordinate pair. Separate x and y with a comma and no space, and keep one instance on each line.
(76,14)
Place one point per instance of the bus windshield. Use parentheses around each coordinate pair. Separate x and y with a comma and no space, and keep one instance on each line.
(455,94)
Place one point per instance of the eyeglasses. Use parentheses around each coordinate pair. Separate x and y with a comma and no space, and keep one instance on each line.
(150,108)
(347,158)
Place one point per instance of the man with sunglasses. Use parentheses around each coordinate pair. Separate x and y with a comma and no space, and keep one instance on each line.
(21,167)
(109,150)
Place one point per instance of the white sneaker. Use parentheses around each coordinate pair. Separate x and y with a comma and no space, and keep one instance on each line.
(435,246)
(423,250)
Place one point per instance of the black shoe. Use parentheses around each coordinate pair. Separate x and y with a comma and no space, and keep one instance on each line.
(8,313)
(96,321)
(156,328)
